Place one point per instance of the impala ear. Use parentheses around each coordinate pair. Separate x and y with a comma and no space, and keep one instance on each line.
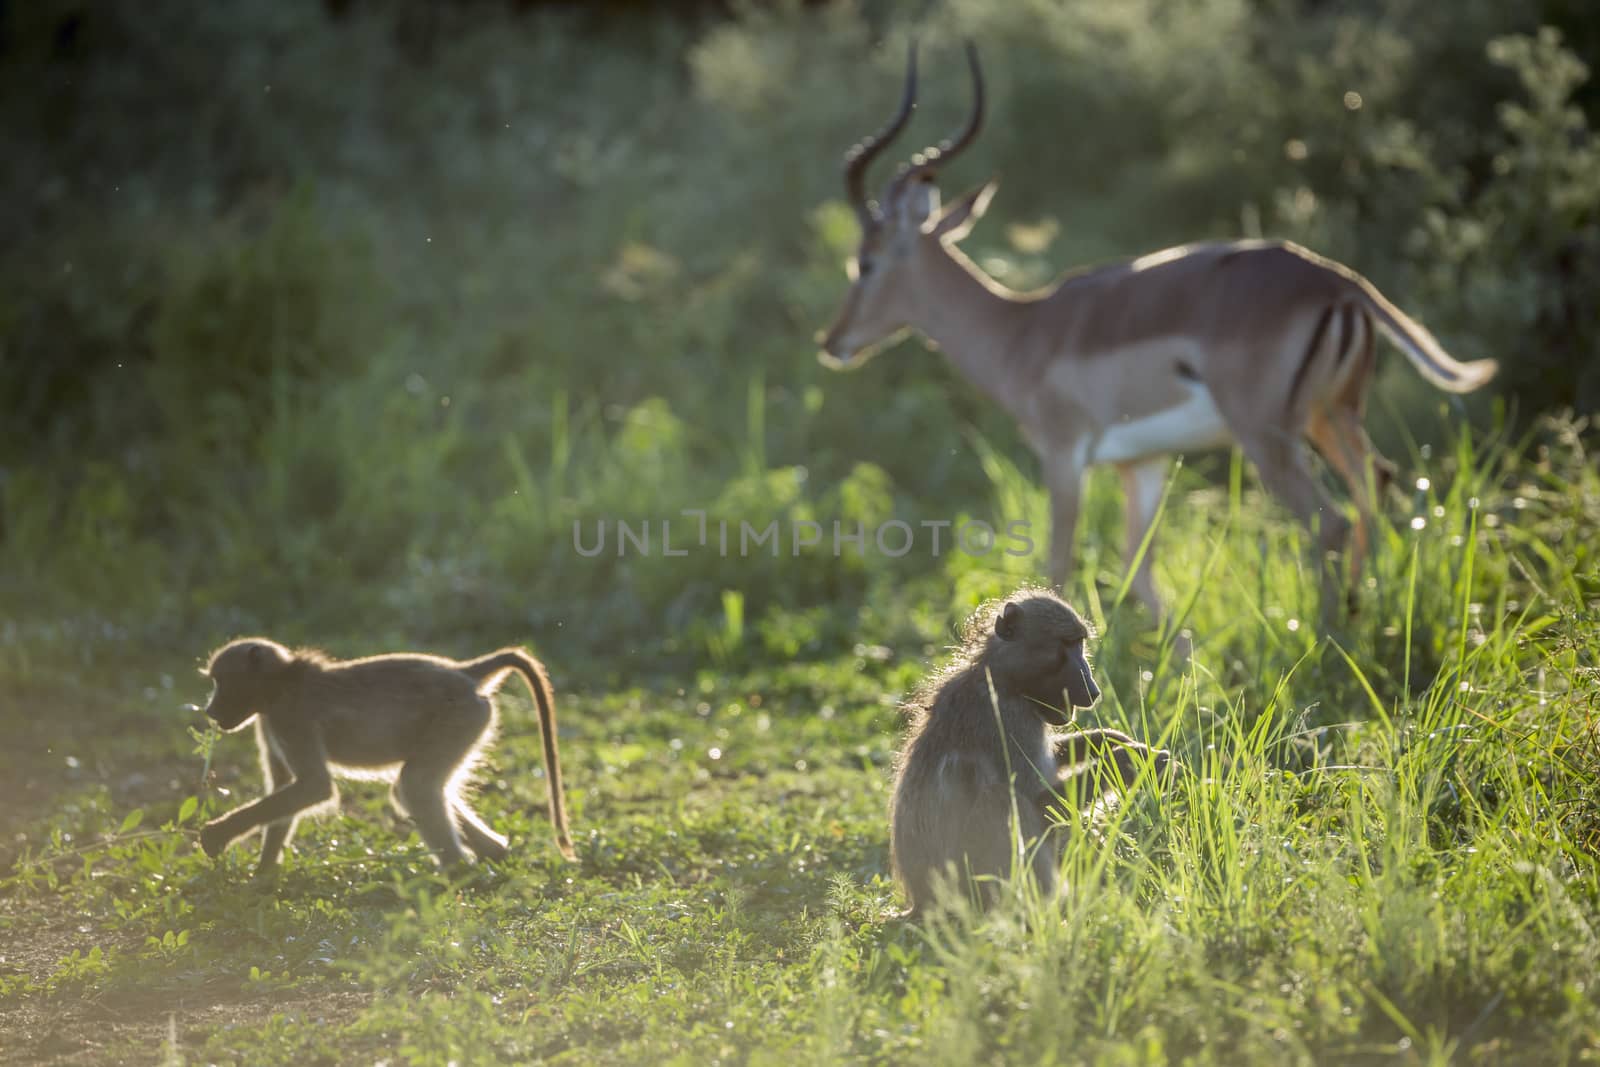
(958,219)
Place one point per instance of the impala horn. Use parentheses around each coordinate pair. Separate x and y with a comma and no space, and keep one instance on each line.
(924,166)
(864,152)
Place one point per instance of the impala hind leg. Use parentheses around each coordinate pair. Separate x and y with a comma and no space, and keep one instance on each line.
(1281,463)
(1341,439)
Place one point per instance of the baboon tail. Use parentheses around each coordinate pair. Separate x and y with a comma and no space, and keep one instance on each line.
(533,673)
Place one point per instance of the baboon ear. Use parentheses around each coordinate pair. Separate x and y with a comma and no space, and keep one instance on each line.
(958,219)
(264,658)
(1008,622)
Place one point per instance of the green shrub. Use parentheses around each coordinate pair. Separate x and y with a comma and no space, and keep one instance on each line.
(570,270)
(254,321)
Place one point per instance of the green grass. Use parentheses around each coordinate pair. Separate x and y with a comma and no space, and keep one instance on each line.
(1387,851)
(343,363)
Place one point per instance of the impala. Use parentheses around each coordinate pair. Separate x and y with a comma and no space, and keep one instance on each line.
(1260,344)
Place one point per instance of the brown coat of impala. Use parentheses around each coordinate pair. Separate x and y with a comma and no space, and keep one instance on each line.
(1256,343)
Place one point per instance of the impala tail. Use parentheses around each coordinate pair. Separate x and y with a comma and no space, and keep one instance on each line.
(1424,350)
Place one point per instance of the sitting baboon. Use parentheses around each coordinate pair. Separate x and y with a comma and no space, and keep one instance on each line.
(980,766)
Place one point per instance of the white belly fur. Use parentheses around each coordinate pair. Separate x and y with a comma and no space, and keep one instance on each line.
(1191,426)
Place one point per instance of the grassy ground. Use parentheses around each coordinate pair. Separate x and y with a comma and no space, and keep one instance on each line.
(343,360)
(1387,852)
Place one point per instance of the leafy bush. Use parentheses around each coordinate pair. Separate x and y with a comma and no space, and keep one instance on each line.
(256,321)
(395,340)
(1525,257)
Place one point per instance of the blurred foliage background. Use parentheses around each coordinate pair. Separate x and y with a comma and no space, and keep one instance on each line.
(335,317)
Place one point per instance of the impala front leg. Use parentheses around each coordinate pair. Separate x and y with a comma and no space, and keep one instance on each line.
(1143,483)
(1065,476)
(1142,486)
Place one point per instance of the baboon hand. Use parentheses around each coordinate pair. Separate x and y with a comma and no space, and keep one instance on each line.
(1169,769)
(214,838)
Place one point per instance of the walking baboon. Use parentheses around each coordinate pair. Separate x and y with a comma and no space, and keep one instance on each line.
(423,722)
(980,767)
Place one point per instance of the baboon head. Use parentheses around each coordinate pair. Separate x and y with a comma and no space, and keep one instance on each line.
(244,674)
(1036,650)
